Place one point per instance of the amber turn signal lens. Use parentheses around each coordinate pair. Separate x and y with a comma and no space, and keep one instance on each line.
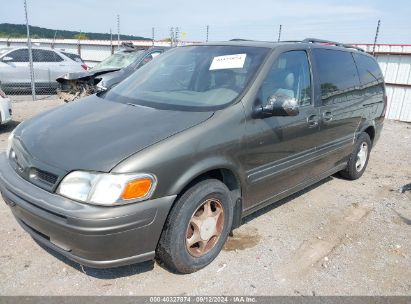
(137,188)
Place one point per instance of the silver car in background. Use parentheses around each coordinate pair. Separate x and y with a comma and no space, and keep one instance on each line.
(48,65)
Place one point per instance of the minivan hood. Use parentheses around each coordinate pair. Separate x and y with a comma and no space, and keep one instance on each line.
(96,134)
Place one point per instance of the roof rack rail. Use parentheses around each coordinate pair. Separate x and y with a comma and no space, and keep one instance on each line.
(240,39)
(315,40)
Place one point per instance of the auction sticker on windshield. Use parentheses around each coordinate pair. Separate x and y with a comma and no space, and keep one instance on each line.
(235,61)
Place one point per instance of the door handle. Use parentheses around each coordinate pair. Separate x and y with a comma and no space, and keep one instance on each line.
(312,121)
(327,116)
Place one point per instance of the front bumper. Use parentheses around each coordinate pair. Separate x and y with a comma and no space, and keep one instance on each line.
(95,236)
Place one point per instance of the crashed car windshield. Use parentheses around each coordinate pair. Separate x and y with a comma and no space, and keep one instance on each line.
(119,60)
(191,78)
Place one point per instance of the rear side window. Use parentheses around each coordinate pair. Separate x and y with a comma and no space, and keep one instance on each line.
(337,75)
(368,69)
(45,56)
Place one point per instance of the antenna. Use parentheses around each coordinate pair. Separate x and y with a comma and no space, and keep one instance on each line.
(152,35)
(208,29)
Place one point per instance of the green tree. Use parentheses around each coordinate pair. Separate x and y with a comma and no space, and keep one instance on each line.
(80,36)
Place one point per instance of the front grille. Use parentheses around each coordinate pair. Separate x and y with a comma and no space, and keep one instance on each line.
(23,165)
(43,176)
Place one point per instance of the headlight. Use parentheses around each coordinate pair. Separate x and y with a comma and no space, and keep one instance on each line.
(107,189)
(9,142)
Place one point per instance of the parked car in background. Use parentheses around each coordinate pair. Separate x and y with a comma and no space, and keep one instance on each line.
(48,64)
(105,74)
(169,161)
(5,108)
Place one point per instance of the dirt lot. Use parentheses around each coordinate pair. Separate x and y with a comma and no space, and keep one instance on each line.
(337,238)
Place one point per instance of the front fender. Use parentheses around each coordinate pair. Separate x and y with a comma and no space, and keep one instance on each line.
(203,167)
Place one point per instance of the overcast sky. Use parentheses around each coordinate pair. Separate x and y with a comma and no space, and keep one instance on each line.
(346,21)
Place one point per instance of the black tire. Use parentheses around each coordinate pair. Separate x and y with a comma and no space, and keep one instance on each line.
(172,252)
(353,172)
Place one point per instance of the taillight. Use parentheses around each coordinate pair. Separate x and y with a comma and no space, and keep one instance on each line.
(2,94)
(384,111)
(84,66)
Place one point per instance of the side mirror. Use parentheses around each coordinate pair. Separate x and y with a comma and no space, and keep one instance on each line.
(279,105)
(7,59)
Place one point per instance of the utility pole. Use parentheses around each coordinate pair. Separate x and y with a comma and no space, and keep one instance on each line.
(152,35)
(118,31)
(376,37)
(279,33)
(111,42)
(79,44)
(172,36)
(33,86)
(176,35)
(208,29)
(54,40)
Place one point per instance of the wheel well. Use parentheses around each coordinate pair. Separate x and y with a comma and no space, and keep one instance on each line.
(226,176)
(233,184)
(371,132)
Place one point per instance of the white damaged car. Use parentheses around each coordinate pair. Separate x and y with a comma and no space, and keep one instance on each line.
(5,108)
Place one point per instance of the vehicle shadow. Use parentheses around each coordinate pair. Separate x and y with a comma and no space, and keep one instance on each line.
(103,274)
(9,126)
(283,201)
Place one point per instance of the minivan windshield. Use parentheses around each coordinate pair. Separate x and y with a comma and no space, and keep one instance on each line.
(191,78)
(119,60)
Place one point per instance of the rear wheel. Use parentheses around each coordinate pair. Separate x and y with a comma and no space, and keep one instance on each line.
(197,227)
(359,158)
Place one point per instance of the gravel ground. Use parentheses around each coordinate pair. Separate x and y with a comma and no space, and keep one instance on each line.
(337,238)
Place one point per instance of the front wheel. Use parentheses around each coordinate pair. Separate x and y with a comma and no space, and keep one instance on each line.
(197,227)
(359,158)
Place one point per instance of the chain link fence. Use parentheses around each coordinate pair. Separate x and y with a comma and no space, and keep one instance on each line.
(52,59)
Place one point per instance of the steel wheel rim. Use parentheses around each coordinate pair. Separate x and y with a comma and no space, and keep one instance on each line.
(205,227)
(361,157)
